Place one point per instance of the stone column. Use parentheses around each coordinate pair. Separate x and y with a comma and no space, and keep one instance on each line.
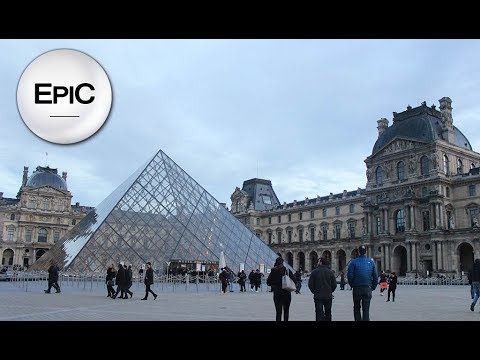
(384,257)
(413,218)
(439,255)
(385,221)
(367,222)
(409,254)
(307,262)
(437,215)
(414,256)
(388,260)
(434,257)
(295,260)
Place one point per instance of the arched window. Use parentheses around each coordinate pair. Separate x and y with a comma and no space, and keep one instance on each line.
(401,170)
(12,217)
(446,165)
(379,175)
(425,165)
(42,235)
(400,221)
(459,166)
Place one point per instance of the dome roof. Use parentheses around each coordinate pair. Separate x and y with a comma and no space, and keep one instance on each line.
(418,124)
(45,176)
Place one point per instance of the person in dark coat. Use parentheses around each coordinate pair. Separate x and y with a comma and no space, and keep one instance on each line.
(392,286)
(109,280)
(128,281)
(120,281)
(223,277)
(257,279)
(242,277)
(322,284)
(475,283)
(53,278)
(148,282)
(342,281)
(298,281)
(251,278)
(281,298)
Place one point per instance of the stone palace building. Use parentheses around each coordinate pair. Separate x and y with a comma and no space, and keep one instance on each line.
(418,213)
(40,215)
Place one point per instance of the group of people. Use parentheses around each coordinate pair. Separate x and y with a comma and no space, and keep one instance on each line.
(362,277)
(227,279)
(122,277)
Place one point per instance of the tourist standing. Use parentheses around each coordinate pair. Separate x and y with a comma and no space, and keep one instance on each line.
(281,298)
(392,286)
(322,284)
(362,277)
(242,277)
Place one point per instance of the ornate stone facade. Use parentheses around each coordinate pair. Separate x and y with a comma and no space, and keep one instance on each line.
(40,215)
(418,213)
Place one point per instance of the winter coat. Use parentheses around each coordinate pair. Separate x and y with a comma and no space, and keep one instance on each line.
(121,276)
(274,279)
(110,275)
(148,277)
(392,282)
(53,273)
(362,272)
(322,282)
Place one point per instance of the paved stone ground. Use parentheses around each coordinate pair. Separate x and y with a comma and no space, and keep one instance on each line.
(413,303)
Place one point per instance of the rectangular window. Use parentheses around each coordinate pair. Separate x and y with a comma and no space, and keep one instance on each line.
(289,236)
(289,217)
(28,235)
(312,234)
(337,231)
(300,216)
(279,219)
(10,234)
(472,190)
(426,220)
(312,214)
(258,221)
(45,204)
(324,212)
(300,235)
(352,208)
(269,220)
(56,236)
(474,217)
(279,237)
(337,210)
(324,233)
(269,238)
(351,230)
(379,225)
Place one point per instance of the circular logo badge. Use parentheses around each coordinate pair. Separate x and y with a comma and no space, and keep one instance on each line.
(64,96)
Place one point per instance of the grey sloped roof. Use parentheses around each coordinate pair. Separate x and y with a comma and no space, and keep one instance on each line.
(44,176)
(257,189)
(418,124)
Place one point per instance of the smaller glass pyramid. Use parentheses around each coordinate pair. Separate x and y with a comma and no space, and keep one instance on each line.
(159,214)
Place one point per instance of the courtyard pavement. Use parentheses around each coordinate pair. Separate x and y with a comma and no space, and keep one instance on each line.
(78,301)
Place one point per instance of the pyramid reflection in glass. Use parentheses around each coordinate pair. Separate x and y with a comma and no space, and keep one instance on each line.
(158,214)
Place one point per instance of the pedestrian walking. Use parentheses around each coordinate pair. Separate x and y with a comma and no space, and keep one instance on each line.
(475,283)
(383,282)
(53,278)
(298,281)
(109,280)
(242,277)
(149,282)
(392,286)
(342,281)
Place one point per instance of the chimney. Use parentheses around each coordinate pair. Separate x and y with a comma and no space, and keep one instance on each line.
(382,126)
(77,204)
(344,194)
(64,175)
(25,175)
(447,119)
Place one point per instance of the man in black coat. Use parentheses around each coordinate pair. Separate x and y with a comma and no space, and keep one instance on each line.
(120,281)
(322,284)
(148,282)
(53,278)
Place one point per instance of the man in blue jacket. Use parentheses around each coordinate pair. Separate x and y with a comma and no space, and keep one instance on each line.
(362,277)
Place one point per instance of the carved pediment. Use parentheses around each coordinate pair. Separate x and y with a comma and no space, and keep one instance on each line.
(398,145)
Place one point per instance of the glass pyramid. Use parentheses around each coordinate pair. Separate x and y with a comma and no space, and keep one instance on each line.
(158,214)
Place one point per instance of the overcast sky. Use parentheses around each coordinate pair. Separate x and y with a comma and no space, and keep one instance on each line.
(301,113)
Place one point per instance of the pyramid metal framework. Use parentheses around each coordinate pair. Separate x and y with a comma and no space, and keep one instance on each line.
(158,214)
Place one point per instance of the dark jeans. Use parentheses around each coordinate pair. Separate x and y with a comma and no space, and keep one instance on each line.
(224,287)
(282,299)
(299,286)
(320,313)
(361,299)
(242,286)
(391,290)
(54,284)
(110,290)
(147,290)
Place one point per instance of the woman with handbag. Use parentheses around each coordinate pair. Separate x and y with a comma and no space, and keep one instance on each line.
(281,297)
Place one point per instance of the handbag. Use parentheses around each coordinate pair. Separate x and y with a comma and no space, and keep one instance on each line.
(287,283)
